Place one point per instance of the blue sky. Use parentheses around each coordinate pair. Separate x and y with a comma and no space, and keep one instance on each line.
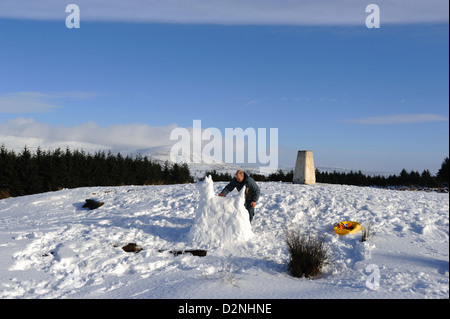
(369,99)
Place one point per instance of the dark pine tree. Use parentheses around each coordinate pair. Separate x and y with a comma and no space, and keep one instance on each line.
(443,173)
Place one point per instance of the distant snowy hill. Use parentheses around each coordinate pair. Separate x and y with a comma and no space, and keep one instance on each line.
(162,154)
(17,144)
(159,154)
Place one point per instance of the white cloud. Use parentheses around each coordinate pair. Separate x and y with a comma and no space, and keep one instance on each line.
(25,103)
(397,119)
(123,137)
(37,102)
(267,12)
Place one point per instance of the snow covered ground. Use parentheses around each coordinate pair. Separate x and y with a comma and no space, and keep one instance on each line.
(51,247)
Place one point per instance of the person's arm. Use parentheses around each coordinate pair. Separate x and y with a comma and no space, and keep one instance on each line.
(229,188)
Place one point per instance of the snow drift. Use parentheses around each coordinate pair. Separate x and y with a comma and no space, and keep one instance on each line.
(51,247)
(219,220)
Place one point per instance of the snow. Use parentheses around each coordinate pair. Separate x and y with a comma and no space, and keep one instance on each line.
(219,220)
(17,144)
(51,247)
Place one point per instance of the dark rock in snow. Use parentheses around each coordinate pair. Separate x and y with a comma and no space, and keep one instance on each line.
(48,254)
(194,252)
(132,248)
(92,204)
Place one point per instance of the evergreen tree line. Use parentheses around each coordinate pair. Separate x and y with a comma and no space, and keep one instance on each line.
(28,173)
(405,178)
(413,178)
(357,178)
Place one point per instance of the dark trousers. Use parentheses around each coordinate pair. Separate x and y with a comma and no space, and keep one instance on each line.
(251,210)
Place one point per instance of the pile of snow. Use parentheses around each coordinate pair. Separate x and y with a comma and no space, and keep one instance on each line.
(219,220)
(51,247)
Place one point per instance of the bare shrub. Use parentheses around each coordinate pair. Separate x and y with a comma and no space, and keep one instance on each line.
(308,254)
(4,193)
(366,233)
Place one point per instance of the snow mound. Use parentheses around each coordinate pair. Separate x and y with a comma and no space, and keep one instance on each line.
(219,220)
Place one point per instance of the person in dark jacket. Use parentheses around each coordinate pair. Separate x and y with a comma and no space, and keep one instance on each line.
(251,190)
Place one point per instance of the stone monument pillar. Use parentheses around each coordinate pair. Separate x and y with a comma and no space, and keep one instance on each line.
(304,172)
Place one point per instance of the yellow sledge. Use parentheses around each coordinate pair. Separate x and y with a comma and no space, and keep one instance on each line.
(347,227)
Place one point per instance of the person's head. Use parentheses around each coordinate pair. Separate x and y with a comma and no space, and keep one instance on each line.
(239,176)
